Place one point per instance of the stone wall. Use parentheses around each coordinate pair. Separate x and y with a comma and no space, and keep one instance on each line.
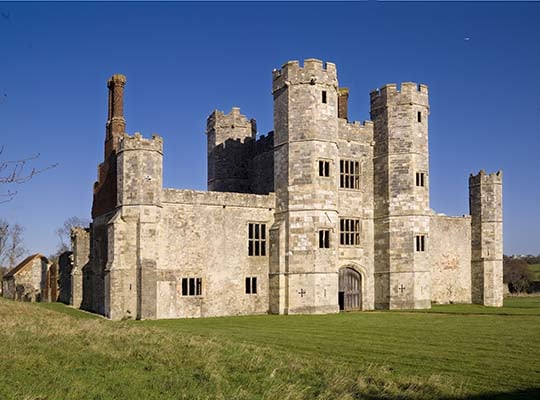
(192,235)
(450,259)
(210,232)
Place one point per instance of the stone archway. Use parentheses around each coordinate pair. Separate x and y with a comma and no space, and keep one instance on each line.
(349,289)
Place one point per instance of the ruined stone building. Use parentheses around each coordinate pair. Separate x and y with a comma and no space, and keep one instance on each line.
(320,215)
(33,279)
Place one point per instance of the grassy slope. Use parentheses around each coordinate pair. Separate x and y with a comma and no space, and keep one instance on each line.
(54,352)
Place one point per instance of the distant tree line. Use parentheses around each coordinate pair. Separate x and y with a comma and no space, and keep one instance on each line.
(518,274)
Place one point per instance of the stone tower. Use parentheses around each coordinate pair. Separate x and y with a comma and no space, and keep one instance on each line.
(303,277)
(133,238)
(226,134)
(485,202)
(401,196)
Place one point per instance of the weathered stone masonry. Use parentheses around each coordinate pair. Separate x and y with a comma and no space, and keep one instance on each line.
(320,215)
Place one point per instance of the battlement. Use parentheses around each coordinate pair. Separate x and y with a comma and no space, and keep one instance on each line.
(313,72)
(355,131)
(482,178)
(409,92)
(137,142)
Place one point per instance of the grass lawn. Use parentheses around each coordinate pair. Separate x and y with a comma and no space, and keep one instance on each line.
(451,352)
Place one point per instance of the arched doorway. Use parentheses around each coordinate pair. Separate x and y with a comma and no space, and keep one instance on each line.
(350,290)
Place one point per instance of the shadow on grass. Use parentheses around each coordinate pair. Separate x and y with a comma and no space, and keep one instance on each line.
(67,310)
(523,394)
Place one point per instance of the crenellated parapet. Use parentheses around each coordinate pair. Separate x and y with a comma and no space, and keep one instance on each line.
(482,177)
(409,93)
(313,72)
(356,131)
(221,127)
(138,142)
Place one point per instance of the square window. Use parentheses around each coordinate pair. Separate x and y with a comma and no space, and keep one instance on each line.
(420,179)
(324,239)
(251,285)
(349,174)
(256,239)
(349,234)
(420,243)
(191,286)
(324,168)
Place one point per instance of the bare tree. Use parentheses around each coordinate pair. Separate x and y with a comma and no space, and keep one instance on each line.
(12,247)
(16,172)
(64,232)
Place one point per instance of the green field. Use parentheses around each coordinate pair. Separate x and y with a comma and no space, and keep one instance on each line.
(51,351)
(536,271)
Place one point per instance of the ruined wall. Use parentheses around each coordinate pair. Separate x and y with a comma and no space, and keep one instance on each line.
(450,259)
(31,283)
(65,267)
(485,201)
(80,247)
(356,143)
(210,232)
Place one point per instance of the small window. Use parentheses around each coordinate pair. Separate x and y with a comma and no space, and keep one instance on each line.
(191,286)
(324,168)
(420,179)
(256,239)
(349,174)
(419,116)
(251,285)
(349,232)
(420,242)
(324,96)
(324,239)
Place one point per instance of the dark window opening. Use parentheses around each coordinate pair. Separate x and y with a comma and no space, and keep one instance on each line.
(251,285)
(324,96)
(419,116)
(420,178)
(349,232)
(324,239)
(191,286)
(256,239)
(420,242)
(349,174)
(324,168)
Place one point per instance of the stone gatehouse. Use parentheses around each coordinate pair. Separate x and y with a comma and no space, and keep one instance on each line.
(320,215)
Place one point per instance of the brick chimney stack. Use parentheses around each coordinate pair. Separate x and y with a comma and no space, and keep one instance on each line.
(116,124)
(343,103)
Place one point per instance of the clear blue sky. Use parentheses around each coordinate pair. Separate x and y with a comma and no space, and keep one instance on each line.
(183,60)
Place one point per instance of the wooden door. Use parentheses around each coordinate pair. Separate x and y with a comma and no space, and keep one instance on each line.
(350,290)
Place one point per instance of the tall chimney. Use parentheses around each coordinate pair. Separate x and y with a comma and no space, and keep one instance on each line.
(343,103)
(116,124)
